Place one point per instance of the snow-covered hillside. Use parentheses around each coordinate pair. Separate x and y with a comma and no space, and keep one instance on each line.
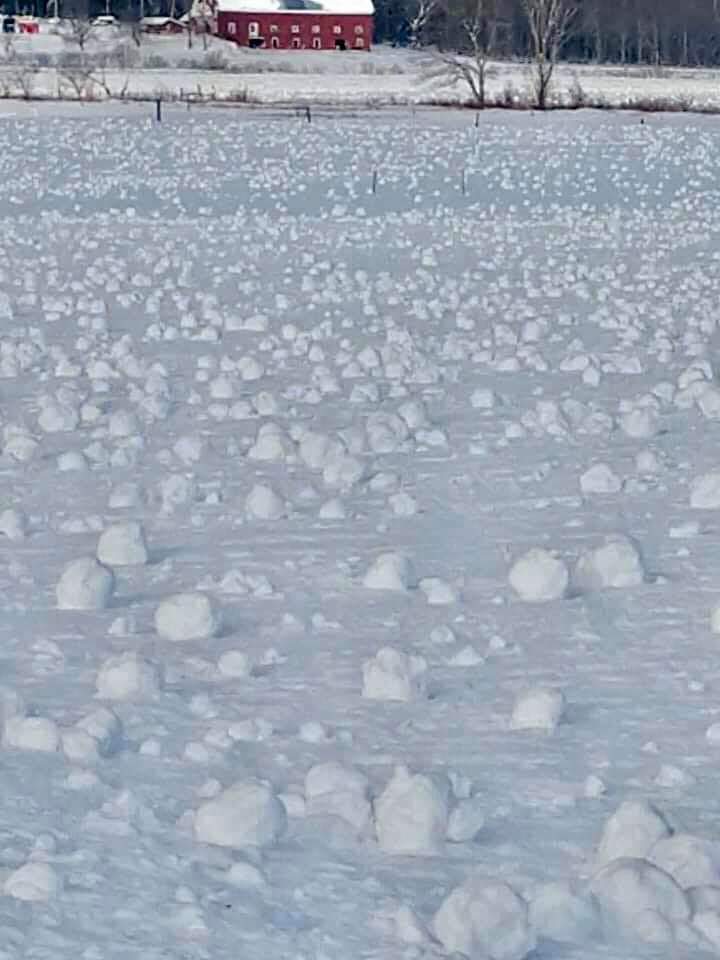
(359,570)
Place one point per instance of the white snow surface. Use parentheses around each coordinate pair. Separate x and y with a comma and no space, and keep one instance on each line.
(197,308)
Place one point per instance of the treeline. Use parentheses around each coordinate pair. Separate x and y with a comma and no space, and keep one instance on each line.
(656,32)
(672,32)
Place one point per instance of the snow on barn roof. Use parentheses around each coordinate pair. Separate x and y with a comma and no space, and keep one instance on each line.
(297,6)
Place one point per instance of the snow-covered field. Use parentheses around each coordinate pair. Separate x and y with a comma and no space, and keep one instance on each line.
(359,556)
(165,67)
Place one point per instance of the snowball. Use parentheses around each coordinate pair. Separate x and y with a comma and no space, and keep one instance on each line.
(466,820)
(600,479)
(187,616)
(262,503)
(85,584)
(640,423)
(632,831)
(13,525)
(337,791)
(705,492)
(393,675)
(559,914)
(248,814)
(614,565)
(123,545)
(411,815)
(333,509)
(485,919)
(390,571)
(483,399)
(627,890)
(36,882)
(538,576)
(234,663)
(437,592)
(127,677)
(690,861)
(538,709)
(31,733)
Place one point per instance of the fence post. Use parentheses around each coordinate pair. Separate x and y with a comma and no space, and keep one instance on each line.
(374,181)
(308,114)
(158,110)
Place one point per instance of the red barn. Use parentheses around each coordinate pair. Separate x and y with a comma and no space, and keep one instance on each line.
(293,24)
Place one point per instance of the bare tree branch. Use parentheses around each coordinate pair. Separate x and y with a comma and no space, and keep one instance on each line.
(479,33)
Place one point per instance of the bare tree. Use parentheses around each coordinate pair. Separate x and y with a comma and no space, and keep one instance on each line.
(479,31)
(78,32)
(419,17)
(549,23)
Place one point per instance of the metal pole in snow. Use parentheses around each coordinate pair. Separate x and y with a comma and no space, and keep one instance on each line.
(463,183)
(374,181)
(308,115)
(158,110)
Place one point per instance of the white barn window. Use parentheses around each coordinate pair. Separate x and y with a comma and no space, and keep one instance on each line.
(253,29)
(274,28)
(360,29)
(232,28)
(316,28)
(316,43)
(337,29)
(295,28)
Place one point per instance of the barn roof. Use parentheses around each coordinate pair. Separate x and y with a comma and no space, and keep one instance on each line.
(297,6)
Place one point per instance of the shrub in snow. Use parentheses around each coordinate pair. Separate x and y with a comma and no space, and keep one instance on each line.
(390,571)
(31,733)
(411,814)
(538,576)
(13,525)
(485,919)
(187,616)
(600,479)
(538,709)
(127,677)
(690,861)
(632,831)
(558,913)
(466,820)
(337,791)
(705,492)
(614,565)
(35,882)
(85,584)
(248,814)
(638,899)
(393,675)
(123,545)
(262,503)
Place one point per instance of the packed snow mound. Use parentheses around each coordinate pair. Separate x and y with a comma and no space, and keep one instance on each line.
(85,584)
(690,861)
(705,492)
(558,913)
(538,576)
(263,503)
(600,479)
(632,831)
(334,790)
(616,564)
(639,900)
(411,814)
(485,919)
(97,735)
(390,571)
(640,423)
(248,814)
(127,677)
(393,675)
(123,545)
(35,882)
(187,616)
(538,709)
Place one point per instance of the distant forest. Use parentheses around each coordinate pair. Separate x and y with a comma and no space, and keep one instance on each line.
(655,32)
